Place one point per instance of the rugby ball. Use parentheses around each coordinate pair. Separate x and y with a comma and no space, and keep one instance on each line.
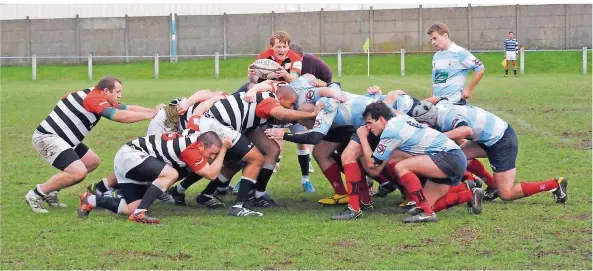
(266,68)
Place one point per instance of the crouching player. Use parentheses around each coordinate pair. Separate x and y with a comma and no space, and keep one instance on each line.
(145,167)
(434,156)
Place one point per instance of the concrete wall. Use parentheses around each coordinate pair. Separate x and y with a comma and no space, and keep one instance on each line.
(476,28)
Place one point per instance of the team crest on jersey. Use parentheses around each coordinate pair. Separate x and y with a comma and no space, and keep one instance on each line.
(309,95)
(381,148)
(477,62)
(317,123)
(199,162)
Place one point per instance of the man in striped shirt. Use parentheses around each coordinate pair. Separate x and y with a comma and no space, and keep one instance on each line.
(511,49)
(59,137)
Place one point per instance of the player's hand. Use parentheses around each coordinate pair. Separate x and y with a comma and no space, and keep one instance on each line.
(466,93)
(342,98)
(158,107)
(227,142)
(373,90)
(318,108)
(182,106)
(276,134)
(433,100)
(281,73)
(249,96)
(362,132)
(320,83)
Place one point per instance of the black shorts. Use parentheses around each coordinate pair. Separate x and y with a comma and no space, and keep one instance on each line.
(372,138)
(68,156)
(239,150)
(132,192)
(503,154)
(453,163)
(340,134)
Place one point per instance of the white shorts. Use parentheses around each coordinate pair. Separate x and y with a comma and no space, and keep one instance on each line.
(126,160)
(56,150)
(209,124)
(510,55)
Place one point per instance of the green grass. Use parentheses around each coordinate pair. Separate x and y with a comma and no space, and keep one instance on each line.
(551,114)
(416,64)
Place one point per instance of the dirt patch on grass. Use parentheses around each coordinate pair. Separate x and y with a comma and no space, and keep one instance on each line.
(466,236)
(573,134)
(147,254)
(585,145)
(348,243)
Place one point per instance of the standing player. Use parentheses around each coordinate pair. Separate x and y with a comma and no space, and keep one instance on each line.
(314,65)
(490,137)
(146,166)
(59,137)
(511,50)
(450,65)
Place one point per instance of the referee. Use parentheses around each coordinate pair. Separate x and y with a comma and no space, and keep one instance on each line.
(511,49)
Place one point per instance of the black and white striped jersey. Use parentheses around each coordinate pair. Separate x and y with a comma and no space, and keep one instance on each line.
(511,45)
(75,115)
(238,114)
(166,147)
(185,117)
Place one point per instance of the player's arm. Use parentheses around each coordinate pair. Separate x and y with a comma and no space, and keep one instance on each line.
(205,105)
(471,62)
(199,164)
(265,86)
(127,116)
(461,131)
(373,165)
(284,114)
(198,96)
(137,108)
(392,97)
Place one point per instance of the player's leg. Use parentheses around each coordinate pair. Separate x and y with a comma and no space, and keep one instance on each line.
(515,66)
(322,153)
(271,151)
(304,158)
(61,156)
(281,145)
(353,173)
(502,156)
(473,150)
(244,150)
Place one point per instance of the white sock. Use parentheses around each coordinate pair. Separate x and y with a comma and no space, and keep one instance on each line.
(92,200)
(180,189)
(304,178)
(39,190)
(303,152)
(105,183)
(259,194)
(122,204)
(139,210)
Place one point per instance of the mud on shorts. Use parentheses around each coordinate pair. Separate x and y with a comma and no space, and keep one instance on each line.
(56,150)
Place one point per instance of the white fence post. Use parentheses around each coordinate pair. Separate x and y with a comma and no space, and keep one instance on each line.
(585,60)
(34,67)
(522,61)
(156,66)
(216,65)
(90,63)
(369,63)
(403,62)
(339,62)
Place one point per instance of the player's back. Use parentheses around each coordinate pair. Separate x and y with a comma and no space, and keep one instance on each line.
(166,147)
(487,128)
(236,113)
(416,138)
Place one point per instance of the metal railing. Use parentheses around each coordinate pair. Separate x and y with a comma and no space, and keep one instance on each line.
(217,56)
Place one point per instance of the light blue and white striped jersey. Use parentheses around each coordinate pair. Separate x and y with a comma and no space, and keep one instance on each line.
(404,102)
(405,134)
(336,114)
(307,92)
(487,128)
(511,45)
(449,70)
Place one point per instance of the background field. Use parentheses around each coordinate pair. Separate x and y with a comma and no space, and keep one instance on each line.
(550,108)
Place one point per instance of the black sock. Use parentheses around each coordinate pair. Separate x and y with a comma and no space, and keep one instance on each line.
(506,72)
(278,159)
(245,187)
(109,203)
(192,178)
(38,192)
(304,162)
(152,193)
(515,71)
(262,179)
(100,186)
(211,187)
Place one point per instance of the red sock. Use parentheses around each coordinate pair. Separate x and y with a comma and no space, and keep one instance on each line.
(353,176)
(458,188)
(333,175)
(530,188)
(468,176)
(452,199)
(477,168)
(363,191)
(412,184)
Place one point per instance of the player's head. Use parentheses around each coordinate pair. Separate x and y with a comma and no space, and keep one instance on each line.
(511,35)
(279,41)
(209,144)
(426,112)
(307,107)
(287,97)
(296,48)
(439,35)
(376,116)
(111,87)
